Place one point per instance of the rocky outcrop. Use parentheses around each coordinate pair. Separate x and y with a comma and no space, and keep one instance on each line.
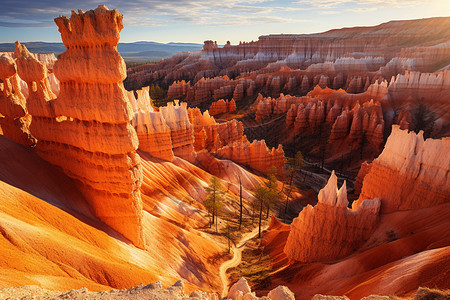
(348,58)
(207,89)
(176,130)
(363,170)
(181,130)
(429,89)
(178,90)
(330,230)
(154,135)
(87,131)
(256,155)
(336,111)
(242,291)
(154,291)
(211,135)
(165,133)
(410,173)
(222,106)
(14,120)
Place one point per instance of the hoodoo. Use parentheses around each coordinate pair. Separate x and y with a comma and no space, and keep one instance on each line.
(103,187)
(86,131)
(330,230)
(16,121)
(410,173)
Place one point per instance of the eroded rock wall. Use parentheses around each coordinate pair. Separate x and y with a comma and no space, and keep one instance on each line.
(330,230)
(86,130)
(15,120)
(255,155)
(410,173)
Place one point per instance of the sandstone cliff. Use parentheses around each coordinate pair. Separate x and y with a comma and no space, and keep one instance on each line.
(86,130)
(222,106)
(349,58)
(414,169)
(330,230)
(15,120)
(390,236)
(256,155)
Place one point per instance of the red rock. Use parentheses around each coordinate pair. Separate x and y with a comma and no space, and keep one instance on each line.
(365,168)
(15,120)
(330,230)
(256,155)
(341,126)
(178,89)
(211,135)
(416,172)
(222,106)
(181,130)
(153,134)
(92,142)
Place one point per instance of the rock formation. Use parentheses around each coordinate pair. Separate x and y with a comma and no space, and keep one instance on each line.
(256,155)
(222,106)
(153,133)
(344,58)
(325,109)
(211,135)
(181,130)
(330,230)
(86,130)
(176,130)
(178,89)
(15,120)
(241,291)
(410,173)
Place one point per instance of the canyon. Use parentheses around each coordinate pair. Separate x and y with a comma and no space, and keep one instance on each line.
(106,186)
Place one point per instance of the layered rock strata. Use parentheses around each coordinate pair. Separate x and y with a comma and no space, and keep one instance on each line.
(87,130)
(15,120)
(176,130)
(330,230)
(256,155)
(348,58)
(222,106)
(211,135)
(414,169)
(337,111)
(181,130)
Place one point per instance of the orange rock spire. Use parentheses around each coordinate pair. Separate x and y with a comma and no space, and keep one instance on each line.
(16,120)
(86,130)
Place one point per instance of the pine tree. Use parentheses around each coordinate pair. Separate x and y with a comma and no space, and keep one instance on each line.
(272,189)
(293,165)
(215,198)
(261,195)
(240,203)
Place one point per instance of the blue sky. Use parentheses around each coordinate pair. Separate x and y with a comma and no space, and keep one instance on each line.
(199,20)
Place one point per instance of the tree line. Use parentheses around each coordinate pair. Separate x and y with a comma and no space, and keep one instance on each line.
(266,196)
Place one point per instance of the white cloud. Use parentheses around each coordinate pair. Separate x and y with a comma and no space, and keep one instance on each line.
(377,3)
(361,9)
(329,12)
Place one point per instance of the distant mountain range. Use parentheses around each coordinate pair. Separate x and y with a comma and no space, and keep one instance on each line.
(136,49)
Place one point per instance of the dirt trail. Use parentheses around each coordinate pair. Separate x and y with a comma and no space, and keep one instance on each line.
(236,260)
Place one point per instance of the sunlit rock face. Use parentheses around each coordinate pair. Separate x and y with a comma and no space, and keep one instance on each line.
(86,130)
(410,173)
(330,230)
(15,120)
(255,155)
(348,58)
(222,106)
